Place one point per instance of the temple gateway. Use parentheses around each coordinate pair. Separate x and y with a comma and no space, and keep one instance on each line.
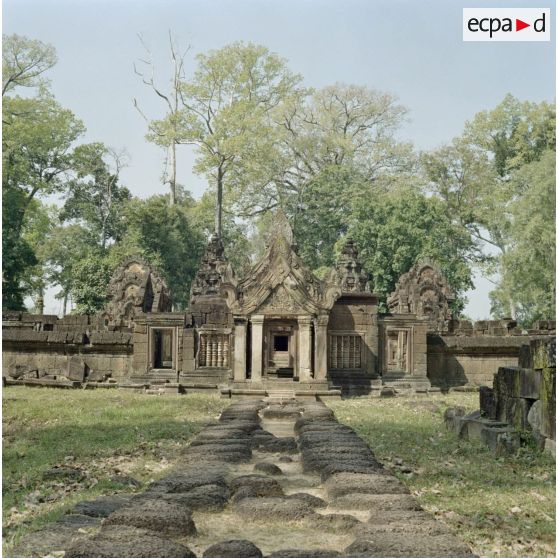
(279,329)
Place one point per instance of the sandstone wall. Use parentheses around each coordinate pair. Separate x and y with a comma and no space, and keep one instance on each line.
(473,353)
(45,354)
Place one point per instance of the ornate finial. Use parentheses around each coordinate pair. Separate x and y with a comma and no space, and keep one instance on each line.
(214,269)
(350,275)
(281,228)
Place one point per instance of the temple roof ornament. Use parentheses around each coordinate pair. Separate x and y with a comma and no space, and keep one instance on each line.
(424,291)
(348,271)
(280,283)
(213,271)
(136,287)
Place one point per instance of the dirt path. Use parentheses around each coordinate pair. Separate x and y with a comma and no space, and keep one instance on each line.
(282,480)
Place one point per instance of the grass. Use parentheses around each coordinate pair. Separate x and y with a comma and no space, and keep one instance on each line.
(104,433)
(500,506)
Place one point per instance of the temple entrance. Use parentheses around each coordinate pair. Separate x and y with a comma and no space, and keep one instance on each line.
(280,350)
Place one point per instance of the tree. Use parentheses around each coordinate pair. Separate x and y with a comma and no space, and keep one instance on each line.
(225,112)
(62,250)
(167,136)
(36,153)
(340,126)
(475,177)
(41,221)
(322,213)
(529,266)
(514,133)
(18,256)
(165,235)
(91,278)
(399,228)
(24,61)
(238,248)
(94,196)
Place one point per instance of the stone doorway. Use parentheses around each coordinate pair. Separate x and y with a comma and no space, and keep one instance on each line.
(281,350)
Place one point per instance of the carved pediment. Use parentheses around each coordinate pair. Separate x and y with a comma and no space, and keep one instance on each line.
(279,302)
(135,288)
(424,291)
(279,282)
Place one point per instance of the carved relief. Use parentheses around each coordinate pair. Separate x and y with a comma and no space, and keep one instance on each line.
(345,351)
(135,288)
(397,351)
(280,281)
(213,271)
(423,291)
(348,272)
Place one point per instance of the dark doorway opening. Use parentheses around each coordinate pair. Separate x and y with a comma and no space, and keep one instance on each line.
(163,350)
(281,343)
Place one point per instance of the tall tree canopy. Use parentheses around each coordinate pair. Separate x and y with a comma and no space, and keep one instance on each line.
(225,112)
(37,140)
(488,179)
(396,229)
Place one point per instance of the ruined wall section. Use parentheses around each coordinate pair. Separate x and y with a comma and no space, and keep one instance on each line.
(72,349)
(470,353)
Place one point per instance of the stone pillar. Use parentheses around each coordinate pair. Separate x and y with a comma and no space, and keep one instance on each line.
(320,356)
(305,348)
(257,347)
(239,366)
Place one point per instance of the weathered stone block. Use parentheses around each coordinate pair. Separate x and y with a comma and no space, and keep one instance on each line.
(548,403)
(487,402)
(517,411)
(509,381)
(530,384)
(76,369)
(501,441)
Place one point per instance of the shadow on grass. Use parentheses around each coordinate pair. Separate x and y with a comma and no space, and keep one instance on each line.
(459,480)
(31,454)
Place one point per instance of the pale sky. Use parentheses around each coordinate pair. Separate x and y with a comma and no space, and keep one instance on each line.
(413,49)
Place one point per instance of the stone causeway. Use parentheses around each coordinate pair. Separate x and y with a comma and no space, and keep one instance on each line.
(275,478)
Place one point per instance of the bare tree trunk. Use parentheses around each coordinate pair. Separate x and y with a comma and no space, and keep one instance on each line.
(513,310)
(219,204)
(172,179)
(65,304)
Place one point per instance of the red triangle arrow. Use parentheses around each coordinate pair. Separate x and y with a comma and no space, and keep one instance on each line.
(519,25)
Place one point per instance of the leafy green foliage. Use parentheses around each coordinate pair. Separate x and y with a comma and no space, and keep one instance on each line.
(166,236)
(491,185)
(530,263)
(24,62)
(94,196)
(37,139)
(396,229)
(18,256)
(92,275)
(225,113)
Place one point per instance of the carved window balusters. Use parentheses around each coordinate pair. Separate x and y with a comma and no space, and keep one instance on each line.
(345,351)
(214,350)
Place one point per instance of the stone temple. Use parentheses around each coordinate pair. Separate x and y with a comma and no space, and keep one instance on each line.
(277,329)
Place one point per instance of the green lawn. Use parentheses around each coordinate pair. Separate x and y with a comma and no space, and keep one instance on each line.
(500,506)
(103,432)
